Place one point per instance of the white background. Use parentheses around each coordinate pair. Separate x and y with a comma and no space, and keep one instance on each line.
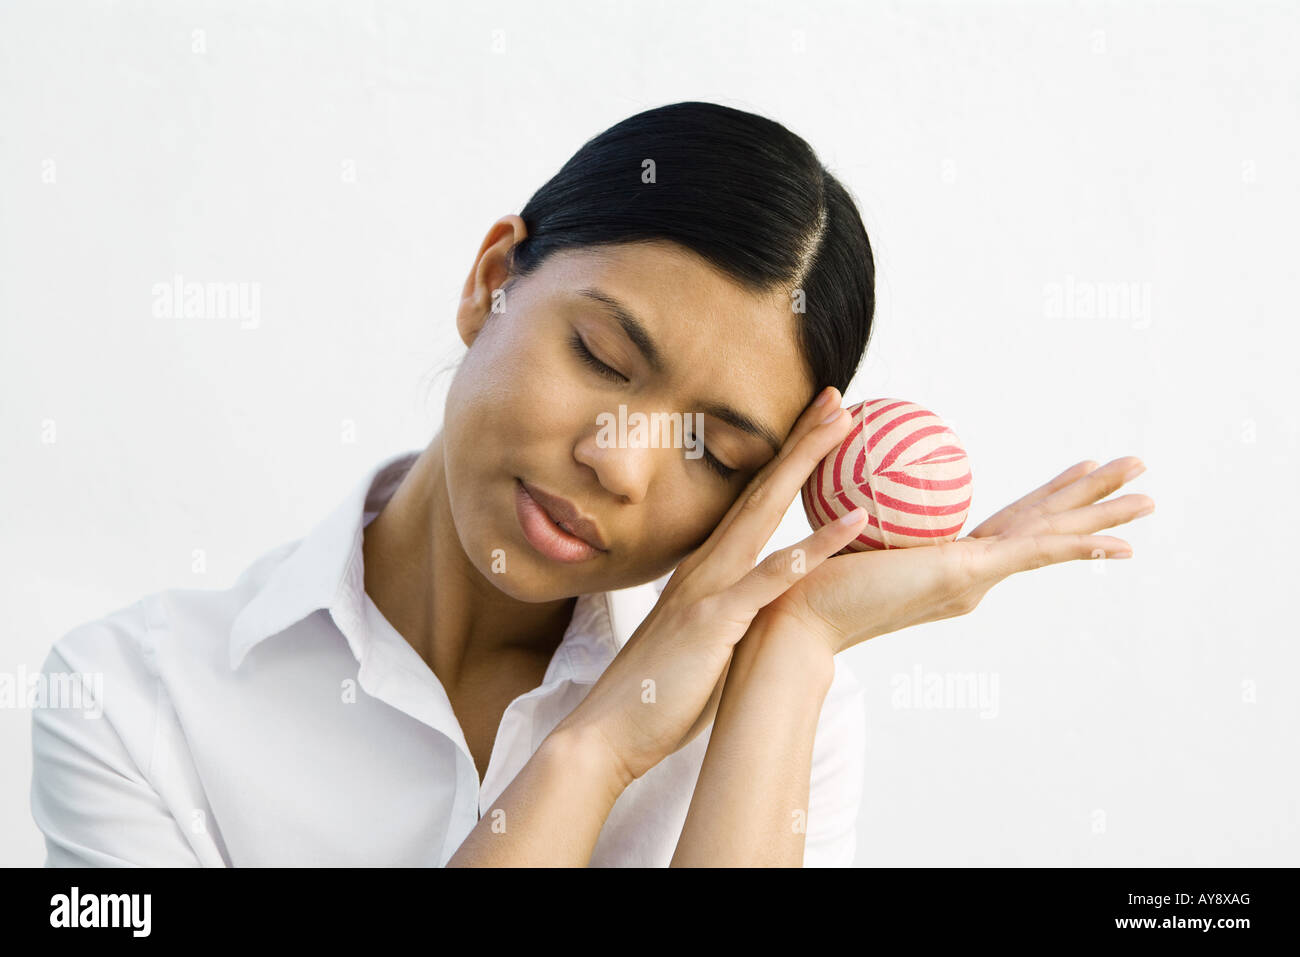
(1146,710)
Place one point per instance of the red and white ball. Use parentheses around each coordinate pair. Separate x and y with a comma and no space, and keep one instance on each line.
(905,467)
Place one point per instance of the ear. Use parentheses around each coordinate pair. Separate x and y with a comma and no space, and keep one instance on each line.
(488,274)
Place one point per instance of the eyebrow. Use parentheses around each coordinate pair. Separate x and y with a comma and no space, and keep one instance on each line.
(635,330)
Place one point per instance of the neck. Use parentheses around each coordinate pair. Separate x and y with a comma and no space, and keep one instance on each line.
(418,575)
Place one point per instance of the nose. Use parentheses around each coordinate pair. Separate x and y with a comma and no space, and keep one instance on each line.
(622,470)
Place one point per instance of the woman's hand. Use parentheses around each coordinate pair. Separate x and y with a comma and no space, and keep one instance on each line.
(851,598)
(664,685)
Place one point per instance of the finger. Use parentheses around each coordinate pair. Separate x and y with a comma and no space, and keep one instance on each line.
(1006,556)
(1093,486)
(1092,518)
(811,418)
(1068,477)
(817,434)
(996,523)
(771,577)
(764,504)
(826,402)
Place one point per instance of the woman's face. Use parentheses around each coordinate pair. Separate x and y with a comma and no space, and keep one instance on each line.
(527,408)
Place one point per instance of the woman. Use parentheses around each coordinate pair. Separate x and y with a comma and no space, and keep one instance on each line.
(466,663)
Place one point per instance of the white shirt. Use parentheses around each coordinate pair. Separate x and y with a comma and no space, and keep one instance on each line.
(285,722)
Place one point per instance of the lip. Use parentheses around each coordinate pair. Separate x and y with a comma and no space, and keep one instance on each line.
(539,516)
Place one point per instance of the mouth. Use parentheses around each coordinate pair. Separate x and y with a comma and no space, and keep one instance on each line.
(554,526)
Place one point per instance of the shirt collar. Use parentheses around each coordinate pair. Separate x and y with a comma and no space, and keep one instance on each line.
(325,571)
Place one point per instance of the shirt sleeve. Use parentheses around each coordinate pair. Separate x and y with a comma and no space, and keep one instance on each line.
(838,768)
(91,750)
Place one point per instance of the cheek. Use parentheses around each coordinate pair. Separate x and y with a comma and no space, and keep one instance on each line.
(686,516)
(525,365)
(502,378)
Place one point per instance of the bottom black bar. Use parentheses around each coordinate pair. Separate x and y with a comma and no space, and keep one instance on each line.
(337,907)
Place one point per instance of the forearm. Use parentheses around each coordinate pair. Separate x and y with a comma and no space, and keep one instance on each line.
(750,803)
(551,813)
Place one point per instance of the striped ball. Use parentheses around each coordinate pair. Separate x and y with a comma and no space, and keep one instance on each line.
(905,467)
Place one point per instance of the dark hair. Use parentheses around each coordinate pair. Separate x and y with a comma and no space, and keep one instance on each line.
(741,191)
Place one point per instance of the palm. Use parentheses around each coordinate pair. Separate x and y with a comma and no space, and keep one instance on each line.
(852,597)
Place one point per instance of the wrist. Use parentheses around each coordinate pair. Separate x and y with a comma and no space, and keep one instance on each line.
(802,660)
(582,750)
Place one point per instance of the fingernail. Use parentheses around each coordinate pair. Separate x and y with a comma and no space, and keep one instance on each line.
(1134,473)
(1120,554)
(1146,511)
(833,416)
(853,517)
(823,398)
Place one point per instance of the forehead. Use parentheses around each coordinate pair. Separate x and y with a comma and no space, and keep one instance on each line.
(720,342)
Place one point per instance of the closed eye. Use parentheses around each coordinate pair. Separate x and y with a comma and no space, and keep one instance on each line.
(580,349)
(722,470)
(588,357)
